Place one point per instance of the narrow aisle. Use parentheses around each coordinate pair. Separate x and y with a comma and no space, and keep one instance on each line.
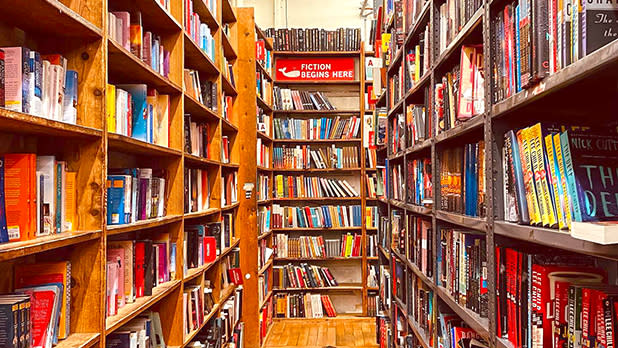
(322,333)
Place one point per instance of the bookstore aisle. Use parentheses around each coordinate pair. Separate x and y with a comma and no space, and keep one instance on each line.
(441,174)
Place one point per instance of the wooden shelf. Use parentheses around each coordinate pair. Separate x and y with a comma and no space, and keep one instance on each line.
(189,337)
(262,35)
(473,124)
(79,340)
(124,67)
(60,20)
(142,224)
(395,62)
(201,214)
(265,137)
(264,202)
(15,250)
(132,310)
(18,122)
(206,16)
(197,160)
(333,288)
(421,19)
(197,59)
(453,46)
(264,169)
(265,235)
(195,108)
(478,324)
(228,126)
(418,209)
(230,206)
(228,14)
(417,87)
(193,273)
(265,301)
(325,141)
(230,165)
(228,87)
(156,18)
(554,238)
(228,50)
(265,72)
(124,144)
(266,266)
(264,105)
(422,337)
(472,222)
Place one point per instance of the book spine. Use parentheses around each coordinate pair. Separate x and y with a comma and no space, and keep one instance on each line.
(570,177)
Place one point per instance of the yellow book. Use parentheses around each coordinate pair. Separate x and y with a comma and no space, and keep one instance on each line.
(417,63)
(540,176)
(553,175)
(111,108)
(161,121)
(348,245)
(279,179)
(368,217)
(562,173)
(531,196)
(70,202)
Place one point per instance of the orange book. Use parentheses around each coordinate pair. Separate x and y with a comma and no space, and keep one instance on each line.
(45,273)
(20,195)
(70,202)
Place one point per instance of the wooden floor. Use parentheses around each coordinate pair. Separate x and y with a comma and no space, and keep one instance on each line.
(322,333)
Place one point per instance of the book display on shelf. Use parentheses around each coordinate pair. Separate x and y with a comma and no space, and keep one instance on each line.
(98,173)
(495,249)
(315,40)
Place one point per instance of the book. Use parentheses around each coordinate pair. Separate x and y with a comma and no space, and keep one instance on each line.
(135,194)
(313,39)
(316,217)
(315,157)
(291,99)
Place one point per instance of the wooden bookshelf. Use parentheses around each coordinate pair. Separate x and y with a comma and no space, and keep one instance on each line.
(77,30)
(559,96)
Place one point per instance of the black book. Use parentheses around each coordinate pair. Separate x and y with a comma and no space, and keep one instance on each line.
(118,340)
(149,267)
(187,133)
(540,46)
(186,188)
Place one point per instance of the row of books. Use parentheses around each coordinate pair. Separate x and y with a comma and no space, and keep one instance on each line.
(372,216)
(411,236)
(263,154)
(38,197)
(289,186)
(375,184)
(231,273)
(553,300)
(135,267)
(197,137)
(227,104)
(198,31)
(316,247)
(293,99)
(558,177)
(372,275)
(534,39)
(462,179)
(419,125)
(228,71)
(320,157)
(135,194)
(197,303)
(204,91)
(418,60)
(397,188)
(197,190)
(263,188)
(303,276)
(317,128)
(462,268)
(313,39)
(461,95)
(453,16)
(263,121)
(419,184)
(38,84)
(420,306)
(398,131)
(454,333)
(264,219)
(204,242)
(225,149)
(127,30)
(142,332)
(229,188)
(304,306)
(38,312)
(262,55)
(326,216)
(140,112)
(264,87)
(265,254)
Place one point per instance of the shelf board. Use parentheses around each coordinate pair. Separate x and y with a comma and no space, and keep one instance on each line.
(265,235)
(155,17)
(265,72)
(373,288)
(228,126)
(417,86)
(264,136)
(317,53)
(132,310)
(193,273)
(200,214)
(124,144)
(583,68)
(478,324)
(189,337)
(397,108)
(316,112)
(264,169)
(381,99)
(476,122)
(230,206)
(503,343)
(228,15)
(142,224)
(262,35)
(472,222)
(554,238)
(395,62)
(422,337)
(60,20)
(228,87)
(317,170)
(14,250)
(266,266)
(467,29)
(384,252)
(19,122)
(79,340)
(200,160)
(325,259)
(263,105)
(318,229)
(230,165)
(334,288)
(326,141)
(264,201)
(124,67)
(265,301)
(420,19)
(418,209)
(206,15)
(196,58)
(316,199)
(319,82)
(346,316)
(195,108)
(420,146)
(228,49)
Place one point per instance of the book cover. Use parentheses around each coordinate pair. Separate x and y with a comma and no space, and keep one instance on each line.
(69,106)
(139,108)
(17,78)
(128,265)
(4,235)
(117,256)
(116,199)
(136,34)
(20,187)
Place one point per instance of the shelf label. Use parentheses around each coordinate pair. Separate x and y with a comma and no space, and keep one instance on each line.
(315,69)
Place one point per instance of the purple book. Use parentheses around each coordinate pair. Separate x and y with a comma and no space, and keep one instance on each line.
(163,272)
(143,197)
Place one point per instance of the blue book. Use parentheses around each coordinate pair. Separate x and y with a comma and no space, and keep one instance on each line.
(517,53)
(58,217)
(4,234)
(70,97)
(116,185)
(140,110)
(520,189)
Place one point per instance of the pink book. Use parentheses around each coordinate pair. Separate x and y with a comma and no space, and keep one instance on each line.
(147,48)
(163,270)
(117,256)
(126,22)
(16,78)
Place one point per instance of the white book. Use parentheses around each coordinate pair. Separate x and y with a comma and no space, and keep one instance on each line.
(46,165)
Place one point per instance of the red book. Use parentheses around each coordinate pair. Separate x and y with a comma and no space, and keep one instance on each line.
(210,249)
(308,216)
(235,275)
(20,195)
(140,260)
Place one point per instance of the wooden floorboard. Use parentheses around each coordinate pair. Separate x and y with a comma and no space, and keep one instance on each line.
(323,333)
